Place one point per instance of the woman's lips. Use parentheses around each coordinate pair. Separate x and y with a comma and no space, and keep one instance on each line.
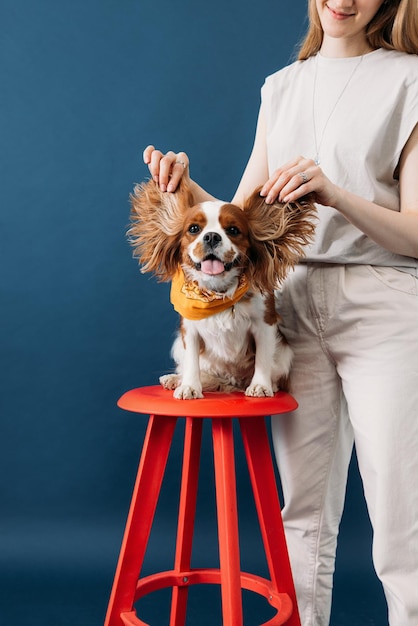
(338,15)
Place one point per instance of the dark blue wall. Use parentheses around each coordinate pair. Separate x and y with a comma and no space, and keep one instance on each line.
(85,86)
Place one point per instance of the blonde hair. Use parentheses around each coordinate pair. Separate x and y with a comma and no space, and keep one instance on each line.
(394,27)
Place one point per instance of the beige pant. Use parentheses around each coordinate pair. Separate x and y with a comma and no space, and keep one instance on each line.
(354,331)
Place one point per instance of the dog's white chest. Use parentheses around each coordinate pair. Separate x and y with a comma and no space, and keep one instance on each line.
(226,334)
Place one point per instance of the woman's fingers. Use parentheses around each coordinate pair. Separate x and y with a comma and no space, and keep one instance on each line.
(292,178)
(154,164)
(166,169)
(147,154)
(299,183)
(179,169)
(278,180)
(166,166)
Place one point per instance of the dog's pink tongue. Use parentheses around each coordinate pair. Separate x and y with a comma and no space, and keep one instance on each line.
(212,267)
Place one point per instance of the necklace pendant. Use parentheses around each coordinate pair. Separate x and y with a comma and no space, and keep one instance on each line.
(317,160)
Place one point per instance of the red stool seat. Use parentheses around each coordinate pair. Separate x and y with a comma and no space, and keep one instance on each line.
(164,410)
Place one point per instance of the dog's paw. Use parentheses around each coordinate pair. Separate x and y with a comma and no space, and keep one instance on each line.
(186,392)
(170,381)
(259,391)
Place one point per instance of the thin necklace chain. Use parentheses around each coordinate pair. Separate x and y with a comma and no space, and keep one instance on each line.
(318,145)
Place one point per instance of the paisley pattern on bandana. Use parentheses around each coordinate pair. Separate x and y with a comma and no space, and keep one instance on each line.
(195,303)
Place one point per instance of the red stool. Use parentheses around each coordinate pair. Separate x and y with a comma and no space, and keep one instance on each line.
(128,586)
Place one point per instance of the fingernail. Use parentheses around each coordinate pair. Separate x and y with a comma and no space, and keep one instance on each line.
(155,178)
(170,187)
(163,187)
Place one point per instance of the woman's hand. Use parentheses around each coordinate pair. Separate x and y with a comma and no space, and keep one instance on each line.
(298,178)
(166,169)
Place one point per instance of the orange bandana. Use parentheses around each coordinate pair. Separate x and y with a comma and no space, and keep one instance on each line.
(194,303)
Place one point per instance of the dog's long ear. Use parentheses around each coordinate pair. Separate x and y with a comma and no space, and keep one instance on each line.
(157,225)
(278,234)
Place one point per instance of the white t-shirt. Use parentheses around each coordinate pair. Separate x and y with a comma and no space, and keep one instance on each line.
(365,110)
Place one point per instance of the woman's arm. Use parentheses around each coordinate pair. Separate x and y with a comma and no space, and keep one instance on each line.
(393,230)
(256,171)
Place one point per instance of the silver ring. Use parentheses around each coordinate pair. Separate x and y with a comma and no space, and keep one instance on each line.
(303,177)
(181,163)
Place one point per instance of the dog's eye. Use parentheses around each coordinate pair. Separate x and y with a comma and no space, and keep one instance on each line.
(194,229)
(233,231)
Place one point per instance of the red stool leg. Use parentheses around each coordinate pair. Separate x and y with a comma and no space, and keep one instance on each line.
(143,504)
(226,500)
(260,466)
(187,511)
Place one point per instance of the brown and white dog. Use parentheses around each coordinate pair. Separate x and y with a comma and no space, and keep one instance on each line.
(224,263)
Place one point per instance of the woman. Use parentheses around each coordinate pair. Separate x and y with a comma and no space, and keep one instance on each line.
(349,105)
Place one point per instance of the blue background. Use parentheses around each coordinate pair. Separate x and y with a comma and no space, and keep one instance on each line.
(85,86)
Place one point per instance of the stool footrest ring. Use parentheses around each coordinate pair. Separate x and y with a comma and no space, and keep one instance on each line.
(251,582)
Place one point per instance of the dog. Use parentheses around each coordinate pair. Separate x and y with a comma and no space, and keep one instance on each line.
(224,263)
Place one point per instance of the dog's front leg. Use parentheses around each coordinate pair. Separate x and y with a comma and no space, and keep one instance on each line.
(190,386)
(265,347)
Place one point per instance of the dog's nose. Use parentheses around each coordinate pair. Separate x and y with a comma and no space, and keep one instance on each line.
(212,239)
